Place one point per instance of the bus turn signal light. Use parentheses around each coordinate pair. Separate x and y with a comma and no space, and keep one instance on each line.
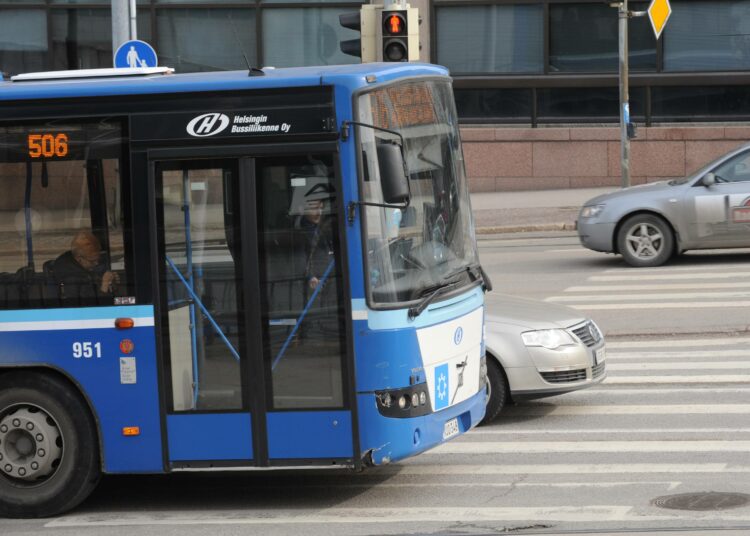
(130,431)
(124,323)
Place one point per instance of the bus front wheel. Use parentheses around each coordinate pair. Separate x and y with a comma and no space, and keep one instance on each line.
(49,455)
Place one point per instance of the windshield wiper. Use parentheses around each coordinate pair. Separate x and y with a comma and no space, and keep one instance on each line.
(430,293)
(475,272)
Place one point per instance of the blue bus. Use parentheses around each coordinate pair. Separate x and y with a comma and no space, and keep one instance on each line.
(231,270)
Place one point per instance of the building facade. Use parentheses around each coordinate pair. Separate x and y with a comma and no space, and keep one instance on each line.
(536,80)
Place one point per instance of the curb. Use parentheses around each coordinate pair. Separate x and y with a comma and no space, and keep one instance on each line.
(500,229)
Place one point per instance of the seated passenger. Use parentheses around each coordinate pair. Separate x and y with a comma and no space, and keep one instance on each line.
(79,271)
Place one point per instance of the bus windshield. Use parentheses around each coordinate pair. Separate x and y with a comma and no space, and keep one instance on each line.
(412,250)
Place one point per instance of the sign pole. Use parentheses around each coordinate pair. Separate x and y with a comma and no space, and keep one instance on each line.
(623,14)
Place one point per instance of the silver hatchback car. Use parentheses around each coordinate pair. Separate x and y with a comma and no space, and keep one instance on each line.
(648,224)
(537,349)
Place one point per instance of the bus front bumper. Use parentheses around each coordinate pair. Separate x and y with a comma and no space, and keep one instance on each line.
(388,439)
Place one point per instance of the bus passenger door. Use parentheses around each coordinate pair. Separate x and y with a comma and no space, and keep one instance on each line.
(202,312)
(251,306)
(308,402)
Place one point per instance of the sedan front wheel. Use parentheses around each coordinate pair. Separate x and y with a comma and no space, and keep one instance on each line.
(645,240)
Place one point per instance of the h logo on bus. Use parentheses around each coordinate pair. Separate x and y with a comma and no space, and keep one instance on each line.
(207,124)
(442,380)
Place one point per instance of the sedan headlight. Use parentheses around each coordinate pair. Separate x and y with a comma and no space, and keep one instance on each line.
(547,338)
(591,211)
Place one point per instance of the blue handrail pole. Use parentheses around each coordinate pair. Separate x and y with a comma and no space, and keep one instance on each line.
(198,302)
(302,316)
(190,284)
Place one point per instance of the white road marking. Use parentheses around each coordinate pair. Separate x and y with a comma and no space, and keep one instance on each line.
(478,484)
(679,343)
(579,431)
(649,296)
(662,305)
(627,409)
(656,287)
(439,514)
(684,355)
(568,469)
(667,277)
(590,447)
(667,390)
(707,378)
(703,365)
(662,269)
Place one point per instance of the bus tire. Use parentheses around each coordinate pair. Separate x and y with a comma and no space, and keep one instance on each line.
(497,390)
(49,446)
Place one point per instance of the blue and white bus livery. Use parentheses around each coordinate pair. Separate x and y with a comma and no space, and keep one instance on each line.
(222,271)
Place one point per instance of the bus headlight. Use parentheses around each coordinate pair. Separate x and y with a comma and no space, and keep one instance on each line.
(412,401)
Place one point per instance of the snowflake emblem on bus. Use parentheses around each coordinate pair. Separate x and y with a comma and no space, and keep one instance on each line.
(441,386)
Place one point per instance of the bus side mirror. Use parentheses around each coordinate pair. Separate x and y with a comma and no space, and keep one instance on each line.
(709,179)
(393,179)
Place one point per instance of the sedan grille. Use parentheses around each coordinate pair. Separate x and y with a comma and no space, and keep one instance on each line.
(587,332)
(564,376)
(597,370)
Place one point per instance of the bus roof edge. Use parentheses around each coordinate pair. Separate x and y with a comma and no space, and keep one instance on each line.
(91,73)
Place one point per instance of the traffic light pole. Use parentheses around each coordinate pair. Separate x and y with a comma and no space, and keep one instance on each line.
(624,14)
(124,27)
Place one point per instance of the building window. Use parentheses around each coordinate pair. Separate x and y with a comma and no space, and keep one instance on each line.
(314,41)
(708,36)
(506,105)
(231,31)
(23,40)
(491,38)
(587,104)
(700,103)
(584,38)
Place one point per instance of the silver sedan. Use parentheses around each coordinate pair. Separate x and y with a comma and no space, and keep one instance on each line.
(537,349)
(649,224)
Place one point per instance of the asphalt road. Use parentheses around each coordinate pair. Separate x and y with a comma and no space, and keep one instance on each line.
(670,419)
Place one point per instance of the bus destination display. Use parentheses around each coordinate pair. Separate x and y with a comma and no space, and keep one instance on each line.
(48,145)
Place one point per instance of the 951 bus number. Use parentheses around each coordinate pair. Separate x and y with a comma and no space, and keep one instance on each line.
(87,350)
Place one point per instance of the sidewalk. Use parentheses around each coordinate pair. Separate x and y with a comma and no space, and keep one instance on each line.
(539,210)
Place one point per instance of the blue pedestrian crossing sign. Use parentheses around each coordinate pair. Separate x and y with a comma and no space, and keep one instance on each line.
(134,54)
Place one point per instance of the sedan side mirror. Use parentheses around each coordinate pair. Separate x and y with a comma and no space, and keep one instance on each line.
(709,179)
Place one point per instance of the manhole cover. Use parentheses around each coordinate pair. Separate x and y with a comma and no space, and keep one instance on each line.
(702,501)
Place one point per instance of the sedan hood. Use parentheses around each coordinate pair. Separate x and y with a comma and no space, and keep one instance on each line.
(651,188)
(531,314)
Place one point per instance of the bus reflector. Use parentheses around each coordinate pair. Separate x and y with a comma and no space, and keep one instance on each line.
(124,323)
(131,431)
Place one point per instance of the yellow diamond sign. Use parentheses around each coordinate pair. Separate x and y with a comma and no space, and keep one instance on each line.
(658,13)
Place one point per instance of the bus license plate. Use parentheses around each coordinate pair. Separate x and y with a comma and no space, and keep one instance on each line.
(599,356)
(450,428)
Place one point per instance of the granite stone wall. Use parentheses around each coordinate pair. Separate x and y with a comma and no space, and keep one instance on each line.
(515,158)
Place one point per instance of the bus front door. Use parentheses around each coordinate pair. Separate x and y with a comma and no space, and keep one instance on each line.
(251,306)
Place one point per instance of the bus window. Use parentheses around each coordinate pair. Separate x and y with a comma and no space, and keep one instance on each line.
(200,240)
(61,234)
(301,283)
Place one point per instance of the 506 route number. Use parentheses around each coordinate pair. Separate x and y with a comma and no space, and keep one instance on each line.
(87,350)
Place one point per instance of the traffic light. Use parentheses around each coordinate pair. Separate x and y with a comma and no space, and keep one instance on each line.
(362,21)
(400,35)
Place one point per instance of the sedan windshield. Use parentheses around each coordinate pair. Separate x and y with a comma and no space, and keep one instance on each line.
(415,250)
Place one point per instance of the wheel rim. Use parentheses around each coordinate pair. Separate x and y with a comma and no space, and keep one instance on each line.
(488,392)
(644,241)
(31,444)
